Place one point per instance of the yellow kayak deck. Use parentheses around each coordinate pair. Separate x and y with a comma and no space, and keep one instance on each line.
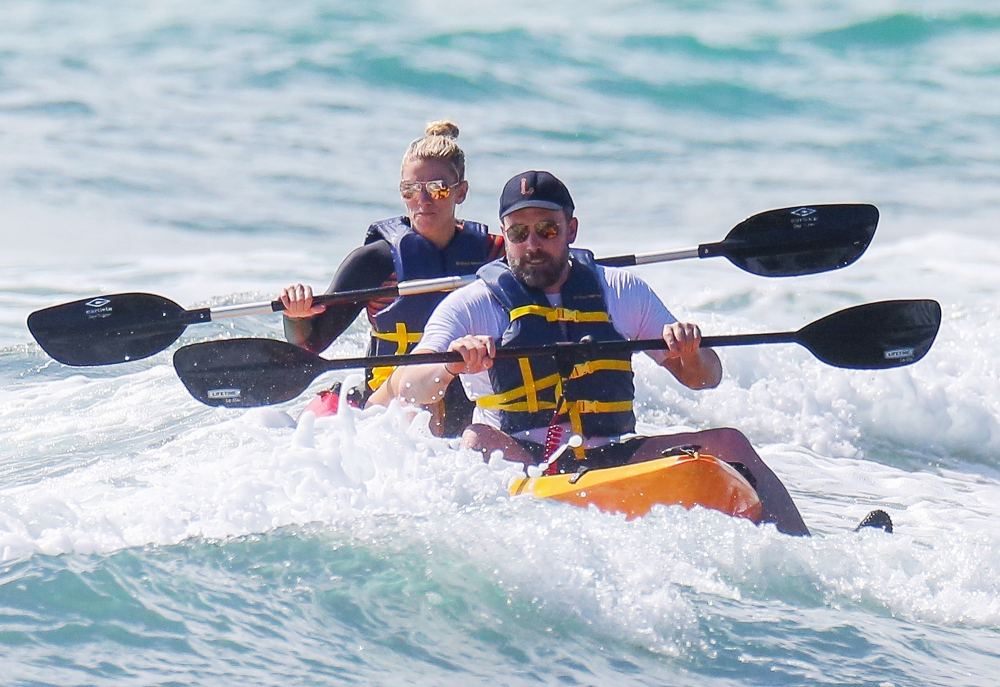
(683,480)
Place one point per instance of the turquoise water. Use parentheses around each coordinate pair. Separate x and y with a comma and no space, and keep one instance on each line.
(214,153)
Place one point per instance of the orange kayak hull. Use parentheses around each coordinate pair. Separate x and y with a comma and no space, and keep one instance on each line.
(679,480)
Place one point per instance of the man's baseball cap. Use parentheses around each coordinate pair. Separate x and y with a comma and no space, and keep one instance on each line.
(534,189)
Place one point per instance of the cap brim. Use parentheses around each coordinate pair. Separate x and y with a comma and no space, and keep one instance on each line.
(544,204)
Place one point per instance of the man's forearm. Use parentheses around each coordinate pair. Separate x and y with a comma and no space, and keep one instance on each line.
(701,371)
(420,384)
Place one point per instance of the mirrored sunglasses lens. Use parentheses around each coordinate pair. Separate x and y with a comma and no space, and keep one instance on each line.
(437,190)
(547,230)
(517,233)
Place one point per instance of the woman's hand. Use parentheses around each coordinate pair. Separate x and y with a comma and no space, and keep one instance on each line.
(298,302)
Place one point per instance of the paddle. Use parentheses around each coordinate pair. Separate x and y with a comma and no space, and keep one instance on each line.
(787,242)
(117,328)
(245,373)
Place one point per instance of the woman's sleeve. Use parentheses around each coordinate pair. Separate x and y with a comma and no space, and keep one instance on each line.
(367,267)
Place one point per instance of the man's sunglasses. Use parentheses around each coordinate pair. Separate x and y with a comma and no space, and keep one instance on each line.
(437,189)
(545,230)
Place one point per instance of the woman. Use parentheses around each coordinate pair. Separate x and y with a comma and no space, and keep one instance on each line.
(429,241)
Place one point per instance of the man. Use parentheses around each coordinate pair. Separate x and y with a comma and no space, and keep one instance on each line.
(542,293)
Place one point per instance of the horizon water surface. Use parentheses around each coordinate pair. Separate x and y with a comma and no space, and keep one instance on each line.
(214,153)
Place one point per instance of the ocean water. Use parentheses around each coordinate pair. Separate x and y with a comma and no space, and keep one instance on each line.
(214,152)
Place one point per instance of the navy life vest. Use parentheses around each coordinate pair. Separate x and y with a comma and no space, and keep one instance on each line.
(595,395)
(399,326)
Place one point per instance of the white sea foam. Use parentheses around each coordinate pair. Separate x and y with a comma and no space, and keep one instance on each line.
(235,474)
(248,473)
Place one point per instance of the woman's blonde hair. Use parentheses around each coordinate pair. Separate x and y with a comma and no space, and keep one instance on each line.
(438,143)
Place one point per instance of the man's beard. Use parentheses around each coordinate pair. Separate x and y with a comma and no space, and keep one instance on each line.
(540,275)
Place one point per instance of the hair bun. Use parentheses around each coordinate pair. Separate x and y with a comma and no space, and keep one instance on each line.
(442,127)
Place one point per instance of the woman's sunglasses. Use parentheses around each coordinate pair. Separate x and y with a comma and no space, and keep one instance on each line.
(545,230)
(437,189)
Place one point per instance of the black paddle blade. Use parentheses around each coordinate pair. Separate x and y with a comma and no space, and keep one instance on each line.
(246,373)
(801,240)
(874,336)
(108,329)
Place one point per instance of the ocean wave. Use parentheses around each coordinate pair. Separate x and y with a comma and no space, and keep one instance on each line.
(905,30)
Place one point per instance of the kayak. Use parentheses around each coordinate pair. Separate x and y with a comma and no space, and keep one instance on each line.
(686,479)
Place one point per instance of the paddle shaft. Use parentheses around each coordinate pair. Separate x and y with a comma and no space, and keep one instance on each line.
(436,285)
(404,288)
(730,248)
(570,349)
(417,286)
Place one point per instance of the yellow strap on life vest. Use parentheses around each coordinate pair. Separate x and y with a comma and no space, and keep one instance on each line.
(600,406)
(530,392)
(578,408)
(576,424)
(402,337)
(520,399)
(517,406)
(592,366)
(524,399)
(379,376)
(559,314)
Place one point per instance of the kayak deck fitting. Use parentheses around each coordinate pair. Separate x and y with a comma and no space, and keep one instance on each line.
(686,479)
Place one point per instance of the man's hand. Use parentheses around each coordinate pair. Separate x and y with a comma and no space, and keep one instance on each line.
(683,339)
(693,366)
(477,355)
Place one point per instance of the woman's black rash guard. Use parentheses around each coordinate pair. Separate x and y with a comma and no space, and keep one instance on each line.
(366,267)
